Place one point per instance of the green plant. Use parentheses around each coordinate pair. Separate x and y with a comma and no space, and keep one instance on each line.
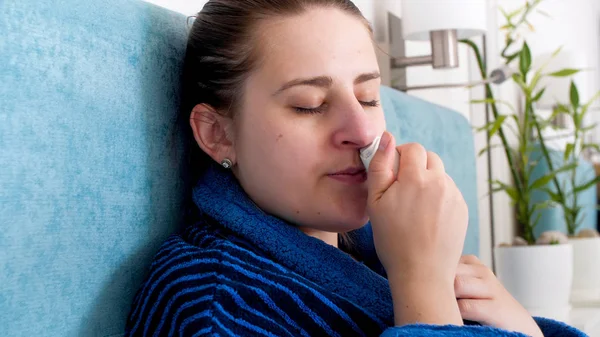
(527,126)
(576,112)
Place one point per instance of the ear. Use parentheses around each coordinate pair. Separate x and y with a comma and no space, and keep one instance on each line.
(213,132)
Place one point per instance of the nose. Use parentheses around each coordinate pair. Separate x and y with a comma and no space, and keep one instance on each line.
(356,127)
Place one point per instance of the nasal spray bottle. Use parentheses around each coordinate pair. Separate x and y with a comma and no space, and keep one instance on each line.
(368,152)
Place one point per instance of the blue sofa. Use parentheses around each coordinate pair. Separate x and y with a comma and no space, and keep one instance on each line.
(92,176)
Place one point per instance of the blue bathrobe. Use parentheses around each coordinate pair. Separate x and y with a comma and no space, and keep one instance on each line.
(237,271)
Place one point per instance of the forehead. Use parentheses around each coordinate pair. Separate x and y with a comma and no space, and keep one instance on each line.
(321,41)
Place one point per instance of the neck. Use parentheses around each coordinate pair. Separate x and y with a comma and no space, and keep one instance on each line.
(327,237)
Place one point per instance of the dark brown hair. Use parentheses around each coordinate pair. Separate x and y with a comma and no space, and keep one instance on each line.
(222,51)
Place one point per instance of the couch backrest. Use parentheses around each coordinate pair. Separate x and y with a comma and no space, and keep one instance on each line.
(89,165)
(91,168)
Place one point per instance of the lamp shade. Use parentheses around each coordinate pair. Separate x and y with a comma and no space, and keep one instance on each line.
(419,17)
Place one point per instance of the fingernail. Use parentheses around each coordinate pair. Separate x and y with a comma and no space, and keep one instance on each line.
(384,141)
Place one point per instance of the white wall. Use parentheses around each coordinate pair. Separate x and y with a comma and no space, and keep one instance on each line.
(457,99)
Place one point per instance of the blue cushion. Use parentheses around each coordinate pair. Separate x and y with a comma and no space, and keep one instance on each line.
(89,180)
(552,218)
(92,177)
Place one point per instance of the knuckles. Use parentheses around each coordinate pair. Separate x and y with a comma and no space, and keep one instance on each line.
(460,284)
(414,148)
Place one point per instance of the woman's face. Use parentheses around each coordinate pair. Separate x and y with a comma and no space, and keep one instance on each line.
(309,106)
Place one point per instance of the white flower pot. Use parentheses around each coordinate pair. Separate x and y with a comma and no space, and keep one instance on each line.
(586,270)
(539,277)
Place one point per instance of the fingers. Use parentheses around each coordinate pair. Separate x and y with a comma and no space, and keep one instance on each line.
(468,287)
(477,310)
(413,155)
(474,280)
(492,313)
(434,162)
(380,172)
(478,271)
(471,266)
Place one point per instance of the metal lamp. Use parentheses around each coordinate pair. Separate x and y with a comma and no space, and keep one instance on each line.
(443,23)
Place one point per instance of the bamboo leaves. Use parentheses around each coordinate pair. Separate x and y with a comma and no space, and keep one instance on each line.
(547,178)
(525,60)
(528,127)
(564,72)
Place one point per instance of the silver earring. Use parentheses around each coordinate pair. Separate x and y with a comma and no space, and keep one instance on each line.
(226,163)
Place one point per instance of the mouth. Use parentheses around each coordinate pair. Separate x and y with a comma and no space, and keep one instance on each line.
(352,175)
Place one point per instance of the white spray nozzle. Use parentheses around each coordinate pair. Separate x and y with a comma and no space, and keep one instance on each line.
(368,152)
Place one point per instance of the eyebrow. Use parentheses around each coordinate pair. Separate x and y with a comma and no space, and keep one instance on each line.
(367,77)
(325,81)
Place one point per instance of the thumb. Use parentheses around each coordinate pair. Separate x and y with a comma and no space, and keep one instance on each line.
(380,174)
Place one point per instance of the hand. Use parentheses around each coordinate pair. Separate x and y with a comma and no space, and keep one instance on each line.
(419,218)
(419,221)
(482,298)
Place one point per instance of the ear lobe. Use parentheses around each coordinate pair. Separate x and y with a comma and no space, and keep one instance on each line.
(212,132)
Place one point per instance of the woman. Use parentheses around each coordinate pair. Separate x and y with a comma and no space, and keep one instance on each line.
(282,95)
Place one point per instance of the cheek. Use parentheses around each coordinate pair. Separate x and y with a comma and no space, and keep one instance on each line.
(294,153)
(274,145)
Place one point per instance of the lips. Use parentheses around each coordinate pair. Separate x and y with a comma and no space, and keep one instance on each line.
(353,175)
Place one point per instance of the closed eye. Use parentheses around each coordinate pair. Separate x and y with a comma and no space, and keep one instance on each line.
(322,107)
(374,103)
(317,110)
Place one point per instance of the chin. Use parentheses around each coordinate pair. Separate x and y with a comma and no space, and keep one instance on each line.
(351,214)
(345,223)
(357,223)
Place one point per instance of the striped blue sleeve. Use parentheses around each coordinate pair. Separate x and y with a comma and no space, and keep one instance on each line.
(549,328)
(422,330)
(552,328)
(211,293)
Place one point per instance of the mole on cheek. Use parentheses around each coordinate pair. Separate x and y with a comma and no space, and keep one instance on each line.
(297,212)
(279,137)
